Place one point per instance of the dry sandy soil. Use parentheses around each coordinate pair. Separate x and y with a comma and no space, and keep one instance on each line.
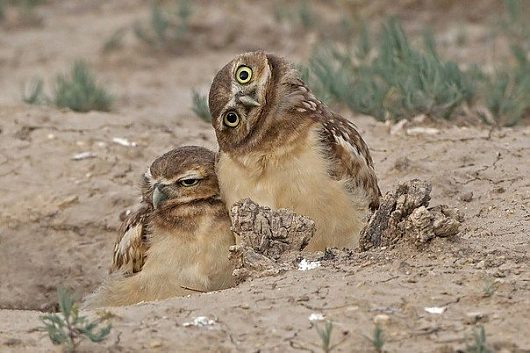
(59,216)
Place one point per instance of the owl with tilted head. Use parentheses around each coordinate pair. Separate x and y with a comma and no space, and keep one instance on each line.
(283,148)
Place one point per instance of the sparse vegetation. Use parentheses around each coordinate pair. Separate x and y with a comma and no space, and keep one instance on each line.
(200,106)
(514,23)
(25,9)
(306,15)
(115,40)
(325,336)
(507,93)
(35,94)
(2,10)
(397,80)
(301,15)
(68,328)
(281,12)
(400,82)
(167,28)
(488,289)
(479,342)
(377,339)
(79,91)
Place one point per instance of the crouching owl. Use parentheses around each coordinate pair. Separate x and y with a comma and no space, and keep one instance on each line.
(177,242)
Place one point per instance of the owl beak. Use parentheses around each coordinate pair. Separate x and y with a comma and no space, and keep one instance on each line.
(248,101)
(158,196)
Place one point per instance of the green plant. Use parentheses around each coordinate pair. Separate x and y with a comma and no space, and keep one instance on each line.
(27,3)
(363,46)
(114,41)
(479,342)
(377,339)
(513,9)
(306,15)
(281,12)
(184,12)
(2,9)
(68,328)
(302,15)
(79,91)
(155,36)
(400,82)
(461,36)
(167,28)
(515,23)
(507,93)
(200,106)
(488,289)
(325,336)
(26,8)
(35,95)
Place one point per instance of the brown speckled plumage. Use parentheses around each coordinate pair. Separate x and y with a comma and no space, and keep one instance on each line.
(176,244)
(287,133)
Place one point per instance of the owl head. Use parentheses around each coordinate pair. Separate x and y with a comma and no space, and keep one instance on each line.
(245,97)
(181,176)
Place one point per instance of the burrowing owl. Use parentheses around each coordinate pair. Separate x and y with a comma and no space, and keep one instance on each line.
(282,147)
(178,240)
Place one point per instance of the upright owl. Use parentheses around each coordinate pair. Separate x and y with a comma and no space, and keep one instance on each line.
(178,240)
(282,147)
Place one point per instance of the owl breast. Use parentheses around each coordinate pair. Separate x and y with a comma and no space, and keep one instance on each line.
(296,177)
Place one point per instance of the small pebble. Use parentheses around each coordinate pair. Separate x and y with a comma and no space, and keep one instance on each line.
(415,131)
(467,196)
(381,318)
(303,298)
(475,317)
(67,202)
(155,344)
(13,342)
(499,190)
(398,127)
(316,317)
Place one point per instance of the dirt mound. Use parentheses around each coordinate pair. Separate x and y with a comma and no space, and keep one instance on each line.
(404,215)
(271,241)
(268,241)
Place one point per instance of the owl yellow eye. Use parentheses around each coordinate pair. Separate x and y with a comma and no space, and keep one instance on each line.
(231,119)
(189,182)
(243,74)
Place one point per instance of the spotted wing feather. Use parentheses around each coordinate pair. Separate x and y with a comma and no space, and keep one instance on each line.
(342,143)
(352,160)
(132,243)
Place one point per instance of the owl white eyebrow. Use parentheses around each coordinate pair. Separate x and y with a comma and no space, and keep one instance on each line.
(189,176)
(149,176)
(165,181)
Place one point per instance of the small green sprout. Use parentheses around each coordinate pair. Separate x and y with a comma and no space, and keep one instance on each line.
(68,328)
(200,106)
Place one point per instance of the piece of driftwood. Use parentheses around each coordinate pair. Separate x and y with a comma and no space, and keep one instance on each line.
(404,215)
(267,241)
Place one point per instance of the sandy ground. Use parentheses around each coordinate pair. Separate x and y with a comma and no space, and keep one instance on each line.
(58,216)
